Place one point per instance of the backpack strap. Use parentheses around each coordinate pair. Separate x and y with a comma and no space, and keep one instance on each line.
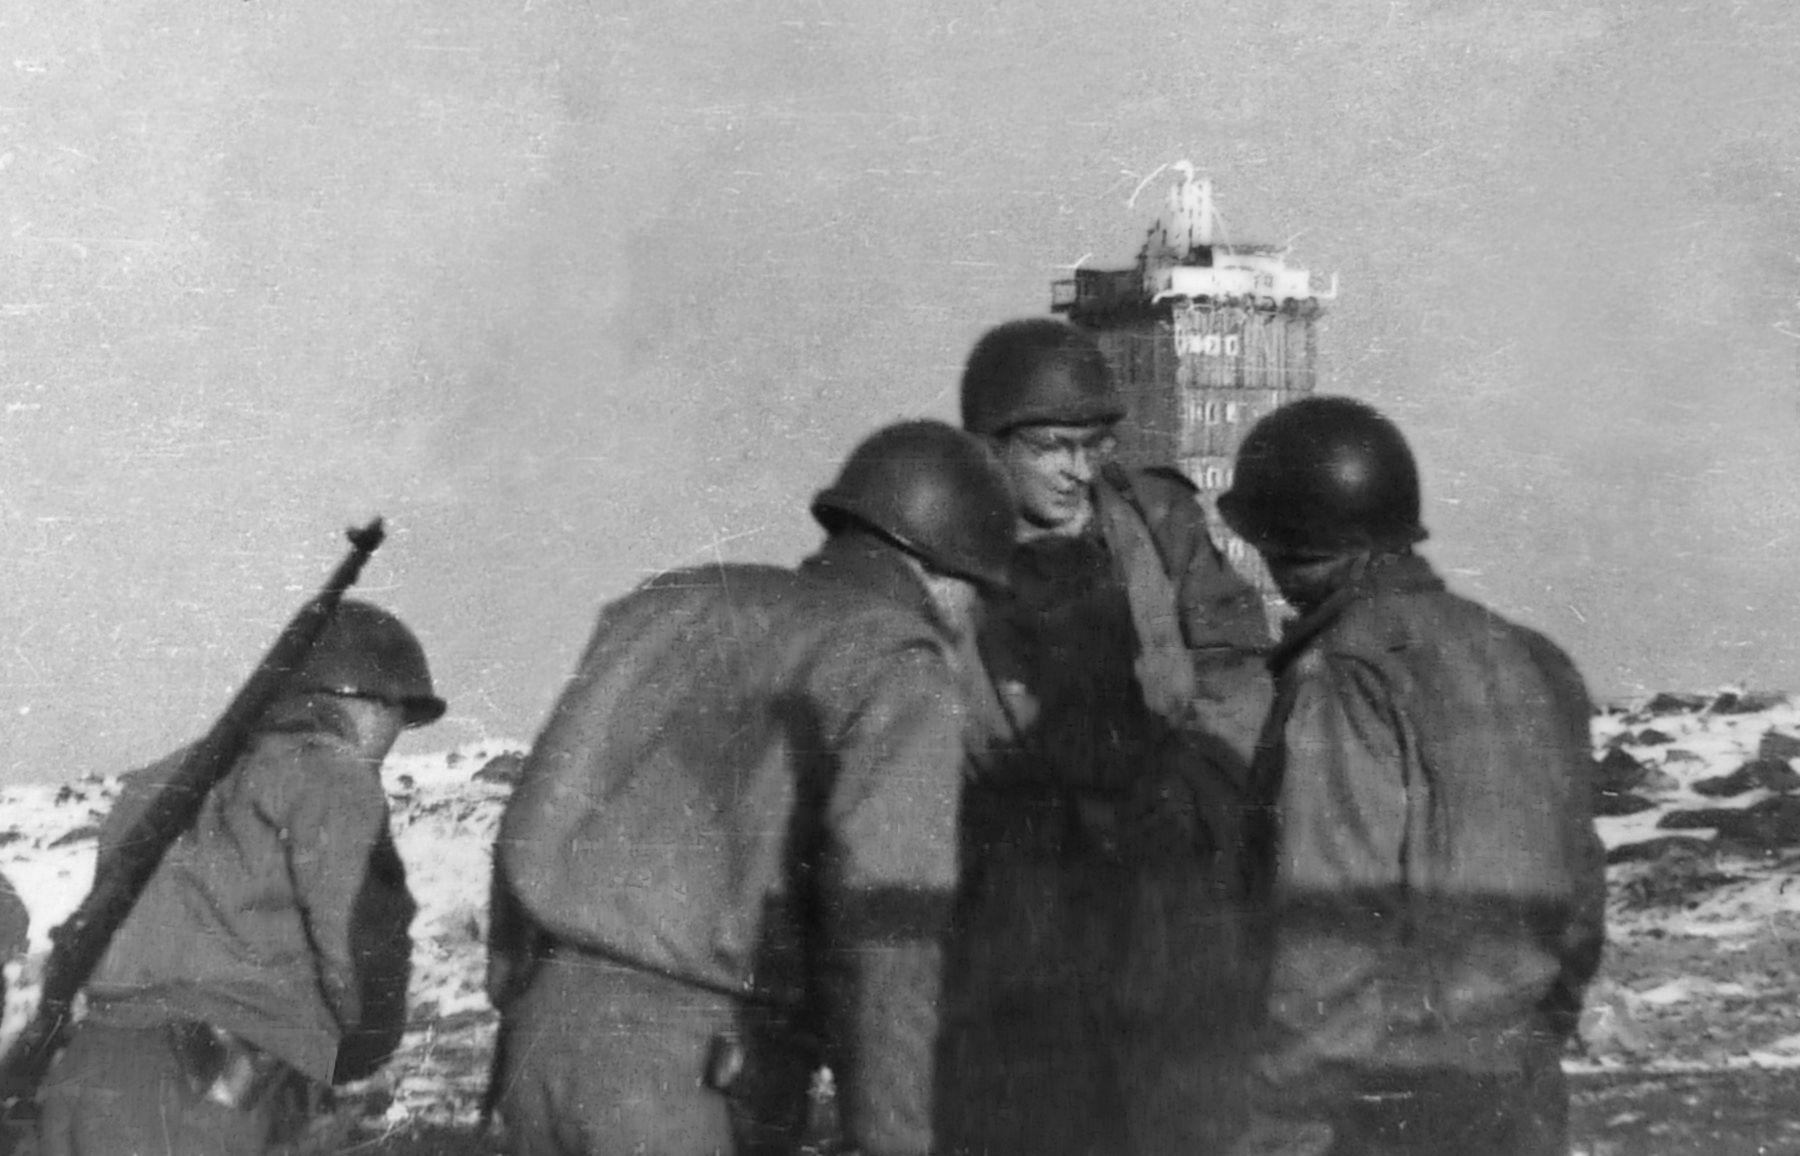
(1165,669)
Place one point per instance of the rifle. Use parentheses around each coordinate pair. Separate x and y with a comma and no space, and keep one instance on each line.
(79,943)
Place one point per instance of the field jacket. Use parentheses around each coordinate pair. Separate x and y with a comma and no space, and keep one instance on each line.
(256,920)
(1150,610)
(1438,900)
(1199,629)
(751,785)
(1124,682)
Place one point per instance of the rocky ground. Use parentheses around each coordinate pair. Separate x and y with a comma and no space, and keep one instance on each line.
(1693,1029)
(1691,1043)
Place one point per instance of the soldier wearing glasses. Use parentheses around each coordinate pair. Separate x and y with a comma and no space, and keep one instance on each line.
(1101,965)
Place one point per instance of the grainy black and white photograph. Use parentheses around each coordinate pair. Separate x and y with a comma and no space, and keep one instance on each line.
(930,578)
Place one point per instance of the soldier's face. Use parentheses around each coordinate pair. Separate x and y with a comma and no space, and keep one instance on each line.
(1306,580)
(377,723)
(1052,468)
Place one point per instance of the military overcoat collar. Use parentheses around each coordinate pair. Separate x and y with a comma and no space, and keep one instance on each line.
(870,563)
(1382,574)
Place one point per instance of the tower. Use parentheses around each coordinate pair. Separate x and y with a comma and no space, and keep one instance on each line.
(1205,336)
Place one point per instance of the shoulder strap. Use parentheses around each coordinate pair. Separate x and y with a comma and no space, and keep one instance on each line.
(1165,670)
(1117,479)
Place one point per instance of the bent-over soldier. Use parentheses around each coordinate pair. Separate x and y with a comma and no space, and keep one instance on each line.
(732,848)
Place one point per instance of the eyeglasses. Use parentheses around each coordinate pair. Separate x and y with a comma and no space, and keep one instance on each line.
(1099,444)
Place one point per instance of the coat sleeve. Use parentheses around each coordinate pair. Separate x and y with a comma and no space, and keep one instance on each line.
(331,813)
(137,790)
(381,945)
(1221,617)
(514,944)
(890,869)
(1583,938)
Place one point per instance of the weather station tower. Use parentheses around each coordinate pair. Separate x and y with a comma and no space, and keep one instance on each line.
(1206,335)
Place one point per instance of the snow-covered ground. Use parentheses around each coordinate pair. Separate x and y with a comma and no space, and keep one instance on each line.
(1702,915)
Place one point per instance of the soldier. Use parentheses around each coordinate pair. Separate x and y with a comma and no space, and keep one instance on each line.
(267,954)
(736,834)
(1439,896)
(1101,964)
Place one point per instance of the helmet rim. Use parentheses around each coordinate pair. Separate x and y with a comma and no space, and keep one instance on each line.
(932,491)
(367,652)
(1325,474)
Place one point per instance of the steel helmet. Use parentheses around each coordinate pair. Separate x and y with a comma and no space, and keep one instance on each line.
(365,651)
(1037,371)
(1324,475)
(932,490)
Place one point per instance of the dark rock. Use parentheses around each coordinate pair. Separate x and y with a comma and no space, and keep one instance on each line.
(1776,775)
(1650,736)
(1725,786)
(1745,702)
(1618,772)
(502,768)
(1677,878)
(12,836)
(1773,774)
(68,794)
(406,782)
(86,831)
(1778,745)
(1659,848)
(1765,826)
(1667,703)
(1698,818)
(1612,804)
(1616,779)
(1658,782)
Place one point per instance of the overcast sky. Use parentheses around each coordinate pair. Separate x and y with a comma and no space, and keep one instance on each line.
(572,292)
